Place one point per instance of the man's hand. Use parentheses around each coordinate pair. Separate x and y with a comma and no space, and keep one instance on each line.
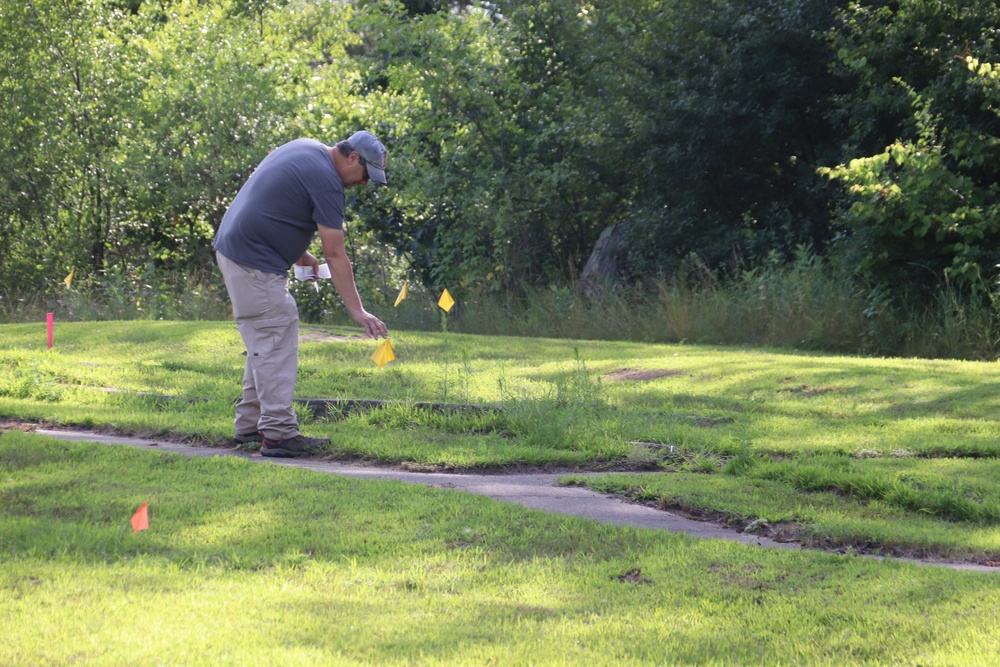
(310,261)
(342,274)
(373,326)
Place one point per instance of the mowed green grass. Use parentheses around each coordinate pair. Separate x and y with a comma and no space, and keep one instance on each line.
(246,563)
(890,456)
(694,397)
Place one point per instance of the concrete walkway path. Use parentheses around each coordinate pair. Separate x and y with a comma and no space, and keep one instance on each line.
(538,491)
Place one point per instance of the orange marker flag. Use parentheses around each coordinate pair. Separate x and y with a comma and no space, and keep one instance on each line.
(402,295)
(384,354)
(69,279)
(446,302)
(140,520)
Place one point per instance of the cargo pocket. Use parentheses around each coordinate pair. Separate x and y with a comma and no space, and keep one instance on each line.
(268,334)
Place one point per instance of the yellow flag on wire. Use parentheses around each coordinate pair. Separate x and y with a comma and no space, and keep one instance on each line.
(69,279)
(402,295)
(446,302)
(383,354)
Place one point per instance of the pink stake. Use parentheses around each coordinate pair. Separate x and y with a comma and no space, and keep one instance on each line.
(48,323)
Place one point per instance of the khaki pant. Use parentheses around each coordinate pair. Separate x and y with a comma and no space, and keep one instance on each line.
(268,322)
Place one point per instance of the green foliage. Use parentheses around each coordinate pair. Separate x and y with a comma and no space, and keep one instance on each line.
(517,132)
(445,214)
(316,300)
(732,99)
(916,41)
(504,186)
(922,181)
(70,83)
(127,133)
(125,293)
(213,103)
(925,211)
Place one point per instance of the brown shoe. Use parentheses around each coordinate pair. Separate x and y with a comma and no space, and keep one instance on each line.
(297,446)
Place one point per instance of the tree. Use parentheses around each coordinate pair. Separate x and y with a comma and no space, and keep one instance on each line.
(129,130)
(732,97)
(925,211)
(69,80)
(216,98)
(505,184)
(920,208)
(445,78)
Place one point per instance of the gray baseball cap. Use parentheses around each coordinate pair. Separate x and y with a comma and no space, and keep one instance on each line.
(372,152)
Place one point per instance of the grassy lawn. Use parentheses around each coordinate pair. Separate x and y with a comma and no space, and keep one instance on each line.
(250,564)
(247,563)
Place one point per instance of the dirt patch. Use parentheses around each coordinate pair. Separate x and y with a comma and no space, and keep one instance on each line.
(636,375)
(312,335)
(12,425)
(743,576)
(331,408)
(26,426)
(633,576)
(709,422)
(414,466)
(806,390)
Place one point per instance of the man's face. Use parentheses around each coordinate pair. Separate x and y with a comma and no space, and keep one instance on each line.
(357,171)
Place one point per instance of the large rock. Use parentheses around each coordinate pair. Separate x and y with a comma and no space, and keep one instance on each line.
(605,265)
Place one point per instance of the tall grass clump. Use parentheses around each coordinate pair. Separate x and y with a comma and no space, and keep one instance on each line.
(948,325)
(123,293)
(799,305)
(951,499)
(805,304)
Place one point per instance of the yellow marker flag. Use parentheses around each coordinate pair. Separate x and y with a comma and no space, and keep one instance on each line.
(69,279)
(384,354)
(446,302)
(402,295)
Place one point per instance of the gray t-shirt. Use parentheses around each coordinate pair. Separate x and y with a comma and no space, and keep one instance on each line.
(273,218)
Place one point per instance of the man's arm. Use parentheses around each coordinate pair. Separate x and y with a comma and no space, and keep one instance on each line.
(342,274)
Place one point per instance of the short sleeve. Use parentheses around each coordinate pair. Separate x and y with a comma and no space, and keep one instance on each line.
(328,208)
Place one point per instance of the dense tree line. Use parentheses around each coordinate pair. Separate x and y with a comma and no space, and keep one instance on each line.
(866,132)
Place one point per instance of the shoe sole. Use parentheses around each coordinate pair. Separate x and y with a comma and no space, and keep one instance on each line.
(281,453)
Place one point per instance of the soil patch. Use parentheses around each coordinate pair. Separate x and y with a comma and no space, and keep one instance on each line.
(806,390)
(312,335)
(633,576)
(26,426)
(637,375)
(743,576)
(334,407)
